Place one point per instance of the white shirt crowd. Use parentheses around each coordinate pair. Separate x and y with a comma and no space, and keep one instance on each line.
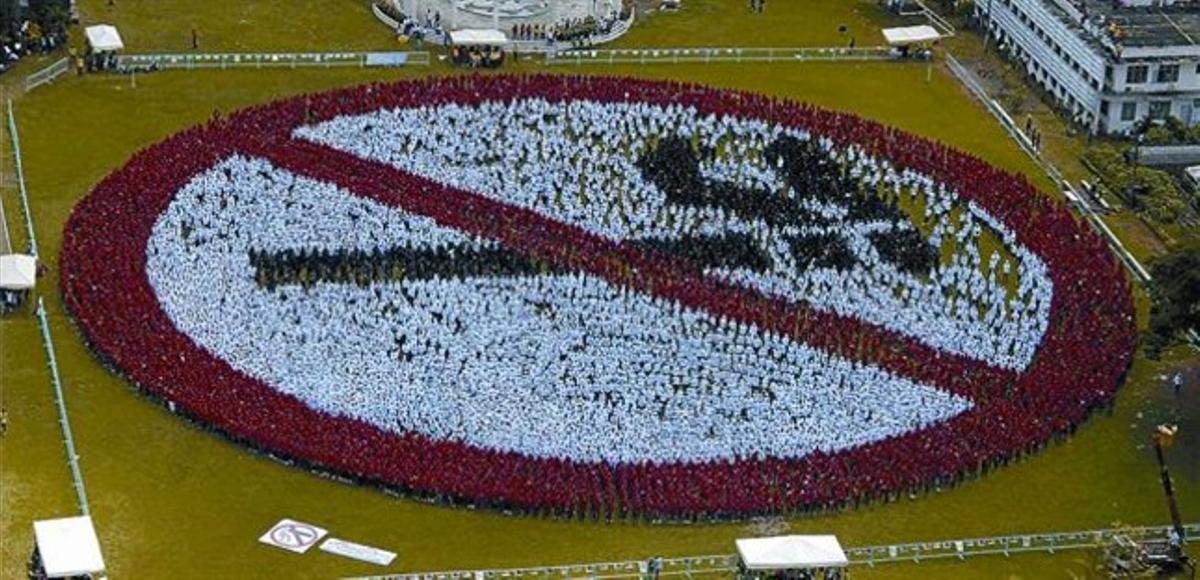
(565,365)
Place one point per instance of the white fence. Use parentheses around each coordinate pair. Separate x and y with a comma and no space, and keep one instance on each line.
(47,75)
(726,564)
(709,55)
(270,60)
(64,421)
(21,191)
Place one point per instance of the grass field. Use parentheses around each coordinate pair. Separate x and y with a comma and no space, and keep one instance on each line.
(174,501)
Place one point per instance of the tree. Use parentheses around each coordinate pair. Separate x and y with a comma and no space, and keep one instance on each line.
(1176,293)
(51,15)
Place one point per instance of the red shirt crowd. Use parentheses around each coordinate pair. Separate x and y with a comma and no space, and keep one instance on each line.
(1084,355)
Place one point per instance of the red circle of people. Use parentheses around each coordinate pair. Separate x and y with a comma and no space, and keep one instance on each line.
(1082,359)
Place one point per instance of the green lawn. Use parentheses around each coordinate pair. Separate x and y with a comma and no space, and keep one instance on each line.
(721,23)
(172,500)
(237,26)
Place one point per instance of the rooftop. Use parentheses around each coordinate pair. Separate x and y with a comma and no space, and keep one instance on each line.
(1124,25)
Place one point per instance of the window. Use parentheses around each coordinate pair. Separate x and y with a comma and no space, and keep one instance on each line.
(1128,111)
(1160,109)
(1136,75)
(1167,73)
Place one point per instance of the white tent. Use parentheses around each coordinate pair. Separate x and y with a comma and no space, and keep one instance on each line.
(478,37)
(907,35)
(17,272)
(791,553)
(104,38)
(69,547)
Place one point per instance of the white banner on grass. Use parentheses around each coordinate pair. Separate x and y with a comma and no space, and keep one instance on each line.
(358,551)
(293,536)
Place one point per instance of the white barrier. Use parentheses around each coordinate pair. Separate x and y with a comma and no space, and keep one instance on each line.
(49,74)
(60,401)
(711,55)
(264,60)
(22,192)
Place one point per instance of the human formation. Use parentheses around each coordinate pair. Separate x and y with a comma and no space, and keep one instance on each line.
(821,225)
(598,297)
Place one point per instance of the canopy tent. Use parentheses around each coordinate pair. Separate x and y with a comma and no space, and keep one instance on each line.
(69,547)
(909,35)
(17,272)
(478,37)
(104,38)
(791,553)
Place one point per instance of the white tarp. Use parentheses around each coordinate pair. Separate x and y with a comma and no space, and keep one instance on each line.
(910,35)
(359,552)
(478,36)
(17,272)
(69,547)
(104,38)
(791,553)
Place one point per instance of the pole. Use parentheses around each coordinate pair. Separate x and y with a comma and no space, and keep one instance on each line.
(1169,489)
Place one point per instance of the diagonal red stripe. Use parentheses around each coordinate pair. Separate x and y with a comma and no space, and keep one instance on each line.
(537,236)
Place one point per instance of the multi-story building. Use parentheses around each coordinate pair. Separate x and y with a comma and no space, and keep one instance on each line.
(1108,63)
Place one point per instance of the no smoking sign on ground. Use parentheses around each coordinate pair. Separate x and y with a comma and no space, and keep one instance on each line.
(293,536)
(596,295)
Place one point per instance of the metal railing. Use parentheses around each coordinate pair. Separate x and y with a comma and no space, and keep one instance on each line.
(269,60)
(709,55)
(49,74)
(24,194)
(726,564)
(64,421)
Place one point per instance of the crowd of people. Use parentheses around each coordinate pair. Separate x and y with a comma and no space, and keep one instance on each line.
(508,317)
(566,30)
(29,38)
(477,56)
(826,225)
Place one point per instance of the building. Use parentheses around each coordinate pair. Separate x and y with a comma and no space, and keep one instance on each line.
(1108,63)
